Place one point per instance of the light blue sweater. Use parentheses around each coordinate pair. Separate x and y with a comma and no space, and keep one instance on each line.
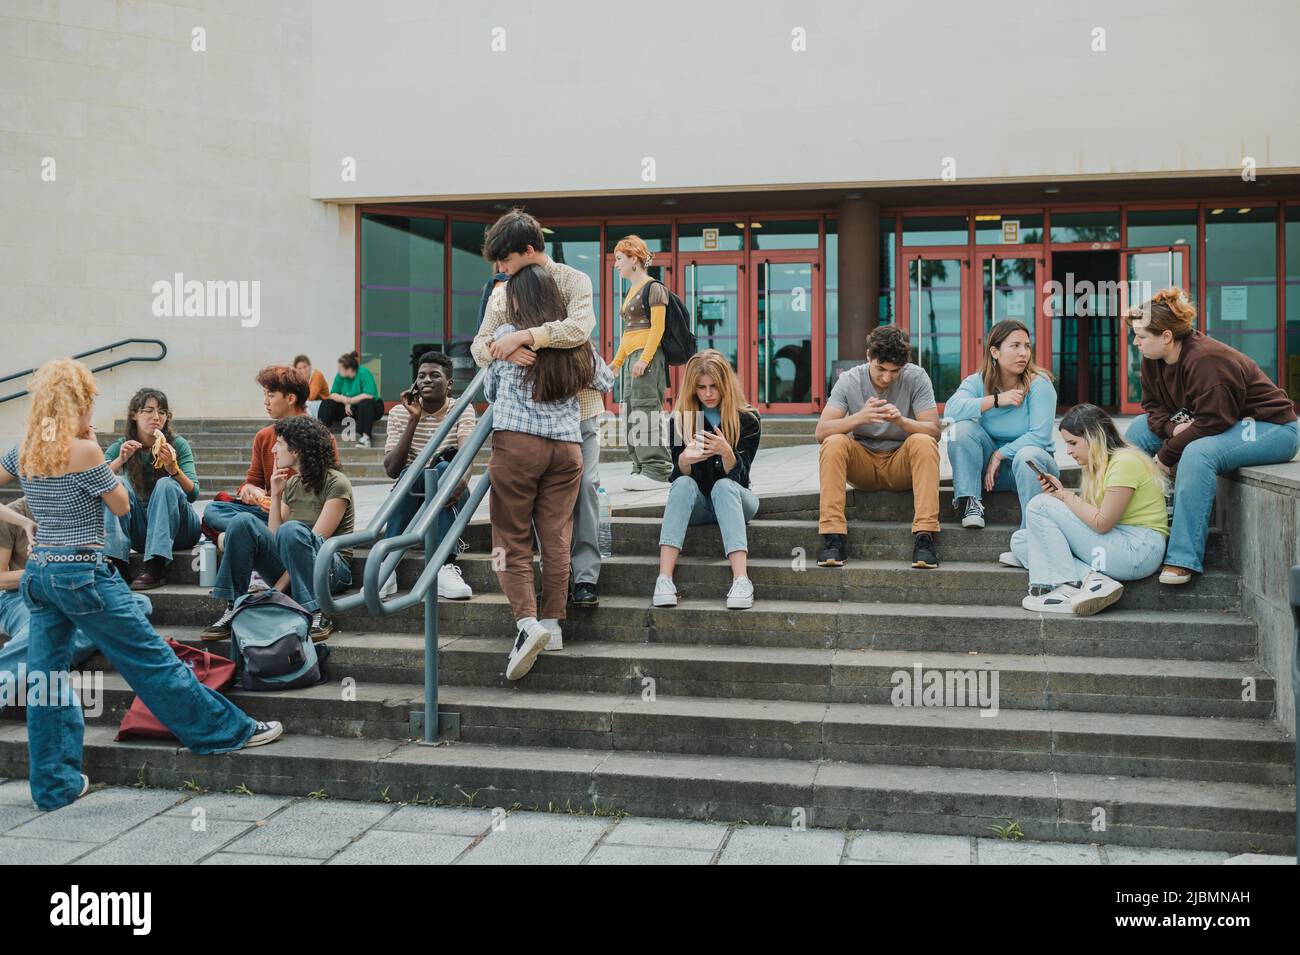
(1012,428)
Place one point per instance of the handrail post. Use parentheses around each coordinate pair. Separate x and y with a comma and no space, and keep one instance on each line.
(430,620)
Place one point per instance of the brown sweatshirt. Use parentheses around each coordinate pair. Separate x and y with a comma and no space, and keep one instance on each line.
(1216,384)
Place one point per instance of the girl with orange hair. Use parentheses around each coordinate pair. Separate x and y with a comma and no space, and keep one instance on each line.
(714,434)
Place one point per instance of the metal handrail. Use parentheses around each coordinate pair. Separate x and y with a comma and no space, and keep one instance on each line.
(386,554)
(98,368)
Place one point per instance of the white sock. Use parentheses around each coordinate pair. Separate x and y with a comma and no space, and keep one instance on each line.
(555,623)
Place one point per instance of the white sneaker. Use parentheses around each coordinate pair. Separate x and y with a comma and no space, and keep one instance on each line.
(1008,559)
(741,594)
(363,441)
(1097,593)
(665,593)
(639,482)
(524,653)
(256,584)
(557,635)
(389,587)
(451,584)
(1060,600)
(85,785)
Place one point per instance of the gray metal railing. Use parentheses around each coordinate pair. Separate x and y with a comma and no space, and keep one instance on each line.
(386,554)
(98,368)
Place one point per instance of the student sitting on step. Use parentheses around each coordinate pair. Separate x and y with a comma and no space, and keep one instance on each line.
(15,615)
(1003,417)
(354,395)
(880,430)
(536,465)
(1209,410)
(317,387)
(68,586)
(311,501)
(1078,547)
(284,395)
(157,468)
(412,422)
(714,433)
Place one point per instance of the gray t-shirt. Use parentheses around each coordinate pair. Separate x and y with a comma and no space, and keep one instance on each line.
(911,393)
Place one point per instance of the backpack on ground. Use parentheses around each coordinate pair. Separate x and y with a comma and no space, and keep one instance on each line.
(678,343)
(270,639)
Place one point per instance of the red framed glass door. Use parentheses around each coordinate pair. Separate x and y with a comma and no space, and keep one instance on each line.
(933,312)
(1010,286)
(1144,272)
(784,326)
(713,290)
(619,287)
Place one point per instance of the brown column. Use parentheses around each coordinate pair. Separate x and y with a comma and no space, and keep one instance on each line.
(859,274)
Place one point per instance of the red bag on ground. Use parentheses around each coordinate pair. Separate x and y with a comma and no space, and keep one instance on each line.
(212,671)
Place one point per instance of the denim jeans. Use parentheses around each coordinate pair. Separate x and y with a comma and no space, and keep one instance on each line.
(406,508)
(251,546)
(219,514)
(14,619)
(1058,547)
(155,528)
(91,597)
(969,450)
(1195,480)
(729,505)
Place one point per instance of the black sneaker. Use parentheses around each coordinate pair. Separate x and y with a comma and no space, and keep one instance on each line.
(265,733)
(321,626)
(925,552)
(834,548)
(973,516)
(220,630)
(585,595)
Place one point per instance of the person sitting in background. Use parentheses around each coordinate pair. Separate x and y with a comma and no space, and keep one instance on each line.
(317,388)
(355,395)
(411,423)
(311,501)
(15,615)
(284,395)
(1078,547)
(1003,417)
(714,433)
(161,483)
(1209,410)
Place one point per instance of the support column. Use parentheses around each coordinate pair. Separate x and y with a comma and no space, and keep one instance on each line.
(859,274)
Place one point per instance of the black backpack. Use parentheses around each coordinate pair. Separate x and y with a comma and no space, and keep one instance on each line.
(678,343)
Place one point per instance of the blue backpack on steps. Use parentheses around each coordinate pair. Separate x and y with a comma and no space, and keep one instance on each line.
(271,643)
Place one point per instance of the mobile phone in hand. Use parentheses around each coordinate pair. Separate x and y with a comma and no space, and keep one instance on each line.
(1039,473)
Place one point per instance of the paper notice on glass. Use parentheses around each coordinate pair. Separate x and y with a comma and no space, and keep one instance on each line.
(1232,299)
(1013,306)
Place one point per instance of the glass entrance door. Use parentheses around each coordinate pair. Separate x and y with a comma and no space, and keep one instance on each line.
(1009,288)
(932,312)
(1145,272)
(711,291)
(786,324)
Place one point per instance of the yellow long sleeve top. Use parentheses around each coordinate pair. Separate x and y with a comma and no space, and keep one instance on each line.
(639,329)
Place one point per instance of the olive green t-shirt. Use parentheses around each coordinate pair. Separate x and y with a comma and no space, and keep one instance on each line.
(305,505)
(1146,508)
(13,538)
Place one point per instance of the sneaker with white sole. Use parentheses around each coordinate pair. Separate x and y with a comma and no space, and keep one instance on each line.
(389,586)
(741,594)
(528,644)
(1057,600)
(1008,559)
(265,733)
(640,482)
(665,594)
(85,785)
(557,635)
(451,584)
(1097,593)
(363,441)
(1177,576)
(220,629)
(974,515)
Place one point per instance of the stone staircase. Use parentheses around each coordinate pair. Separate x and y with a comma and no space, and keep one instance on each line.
(1131,727)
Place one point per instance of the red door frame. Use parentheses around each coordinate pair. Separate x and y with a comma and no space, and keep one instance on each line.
(964,299)
(973,347)
(817,329)
(1125,405)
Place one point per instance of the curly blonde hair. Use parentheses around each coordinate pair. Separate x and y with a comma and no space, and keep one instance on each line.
(61,391)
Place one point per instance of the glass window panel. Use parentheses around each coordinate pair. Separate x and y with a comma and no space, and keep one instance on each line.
(988,227)
(690,236)
(578,246)
(887,291)
(1293,302)
(1241,283)
(783,234)
(935,230)
(1085,226)
(935,293)
(1008,291)
(469,273)
(710,294)
(1166,227)
(785,310)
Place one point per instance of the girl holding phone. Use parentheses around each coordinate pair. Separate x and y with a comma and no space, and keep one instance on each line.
(1078,547)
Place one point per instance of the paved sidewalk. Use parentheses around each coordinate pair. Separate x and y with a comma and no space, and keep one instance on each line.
(123,825)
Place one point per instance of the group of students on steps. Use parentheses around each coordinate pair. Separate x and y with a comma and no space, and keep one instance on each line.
(65,547)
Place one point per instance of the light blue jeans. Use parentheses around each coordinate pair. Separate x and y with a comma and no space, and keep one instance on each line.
(969,450)
(15,617)
(91,597)
(1245,444)
(1059,548)
(729,505)
(251,546)
(155,528)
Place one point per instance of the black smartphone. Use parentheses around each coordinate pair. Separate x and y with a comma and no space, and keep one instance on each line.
(1039,473)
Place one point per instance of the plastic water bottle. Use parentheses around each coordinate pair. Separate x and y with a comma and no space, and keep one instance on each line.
(605,535)
(207,564)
